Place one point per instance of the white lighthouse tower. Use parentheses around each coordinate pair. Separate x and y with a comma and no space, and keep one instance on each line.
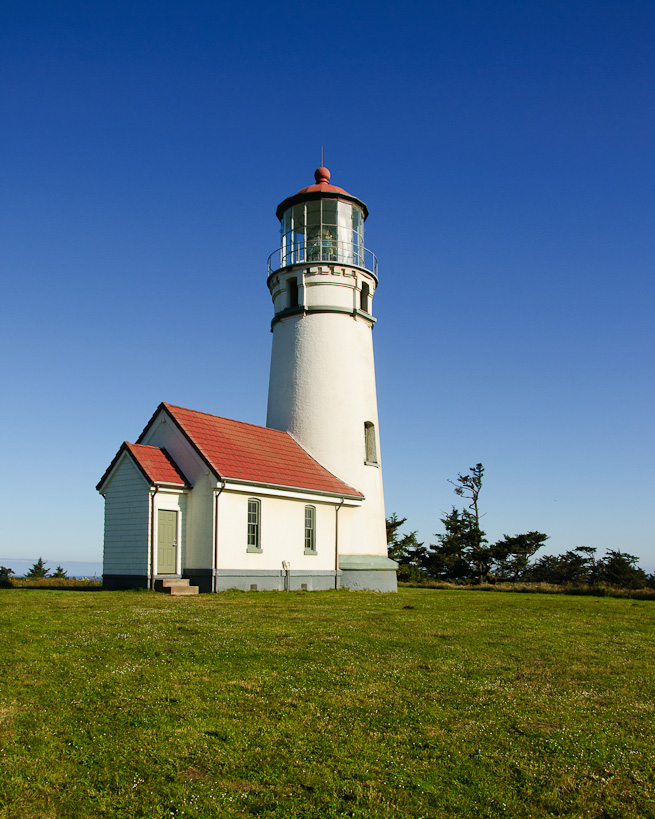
(322,381)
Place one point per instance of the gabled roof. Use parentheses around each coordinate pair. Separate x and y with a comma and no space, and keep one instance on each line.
(246,452)
(156,465)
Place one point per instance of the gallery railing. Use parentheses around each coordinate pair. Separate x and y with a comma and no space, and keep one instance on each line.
(323,250)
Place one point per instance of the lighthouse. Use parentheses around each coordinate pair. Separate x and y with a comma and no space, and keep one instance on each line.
(323,280)
(204,503)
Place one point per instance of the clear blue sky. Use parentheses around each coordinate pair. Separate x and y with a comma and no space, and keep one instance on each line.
(506,153)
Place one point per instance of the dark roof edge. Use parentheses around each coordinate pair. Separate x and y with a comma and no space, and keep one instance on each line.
(354,495)
(185,435)
(185,481)
(163,407)
(125,447)
(114,461)
(312,196)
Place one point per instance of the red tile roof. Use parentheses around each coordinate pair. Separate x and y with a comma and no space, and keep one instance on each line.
(234,449)
(156,465)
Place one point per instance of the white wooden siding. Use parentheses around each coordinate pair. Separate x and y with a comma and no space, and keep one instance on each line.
(127,501)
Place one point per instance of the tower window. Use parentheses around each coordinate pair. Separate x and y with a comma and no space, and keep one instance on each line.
(364,298)
(292,289)
(254,525)
(310,530)
(369,441)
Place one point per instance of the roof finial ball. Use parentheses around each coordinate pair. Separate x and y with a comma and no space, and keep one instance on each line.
(322,175)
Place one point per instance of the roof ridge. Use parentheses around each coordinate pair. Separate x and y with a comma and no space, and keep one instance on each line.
(242,451)
(225,418)
(133,451)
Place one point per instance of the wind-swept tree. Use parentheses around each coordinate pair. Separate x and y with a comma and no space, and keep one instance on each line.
(462,551)
(477,550)
(575,566)
(451,557)
(620,569)
(511,555)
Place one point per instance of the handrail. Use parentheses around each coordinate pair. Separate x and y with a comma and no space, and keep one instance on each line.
(323,250)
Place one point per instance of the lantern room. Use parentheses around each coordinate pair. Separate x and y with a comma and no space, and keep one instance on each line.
(322,223)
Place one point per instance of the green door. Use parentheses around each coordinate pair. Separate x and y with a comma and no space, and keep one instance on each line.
(166,542)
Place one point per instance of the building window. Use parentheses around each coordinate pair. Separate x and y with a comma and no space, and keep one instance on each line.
(254,525)
(292,287)
(363,298)
(310,530)
(369,443)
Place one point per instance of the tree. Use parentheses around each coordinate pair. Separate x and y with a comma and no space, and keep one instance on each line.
(620,569)
(469,487)
(511,555)
(38,570)
(59,573)
(405,550)
(393,525)
(477,548)
(579,565)
(452,558)
(462,552)
(575,566)
(5,576)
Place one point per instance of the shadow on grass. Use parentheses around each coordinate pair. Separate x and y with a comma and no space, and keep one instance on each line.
(536,588)
(52,587)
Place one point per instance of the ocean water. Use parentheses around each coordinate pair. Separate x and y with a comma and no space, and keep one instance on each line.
(74,568)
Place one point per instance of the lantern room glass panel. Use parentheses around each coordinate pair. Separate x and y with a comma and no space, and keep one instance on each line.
(327,230)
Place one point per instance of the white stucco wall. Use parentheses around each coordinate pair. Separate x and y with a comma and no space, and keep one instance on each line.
(322,390)
(127,531)
(282,532)
(336,285)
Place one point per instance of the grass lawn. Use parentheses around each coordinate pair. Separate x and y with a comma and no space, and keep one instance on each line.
(427,703)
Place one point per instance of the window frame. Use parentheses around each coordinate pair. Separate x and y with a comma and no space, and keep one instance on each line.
(293,292)
(365,298)
(310,530)
(253,536)
(370,445)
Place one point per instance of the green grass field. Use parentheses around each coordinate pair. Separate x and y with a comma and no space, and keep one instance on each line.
(427,703)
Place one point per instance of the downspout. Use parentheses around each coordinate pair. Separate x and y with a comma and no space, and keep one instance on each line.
(336,543)
(152,538)
(217,493)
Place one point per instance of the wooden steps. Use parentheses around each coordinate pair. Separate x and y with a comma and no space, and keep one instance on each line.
(175,586)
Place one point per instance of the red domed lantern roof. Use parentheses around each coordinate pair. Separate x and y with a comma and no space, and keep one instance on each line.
(321,189)
(322,177)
